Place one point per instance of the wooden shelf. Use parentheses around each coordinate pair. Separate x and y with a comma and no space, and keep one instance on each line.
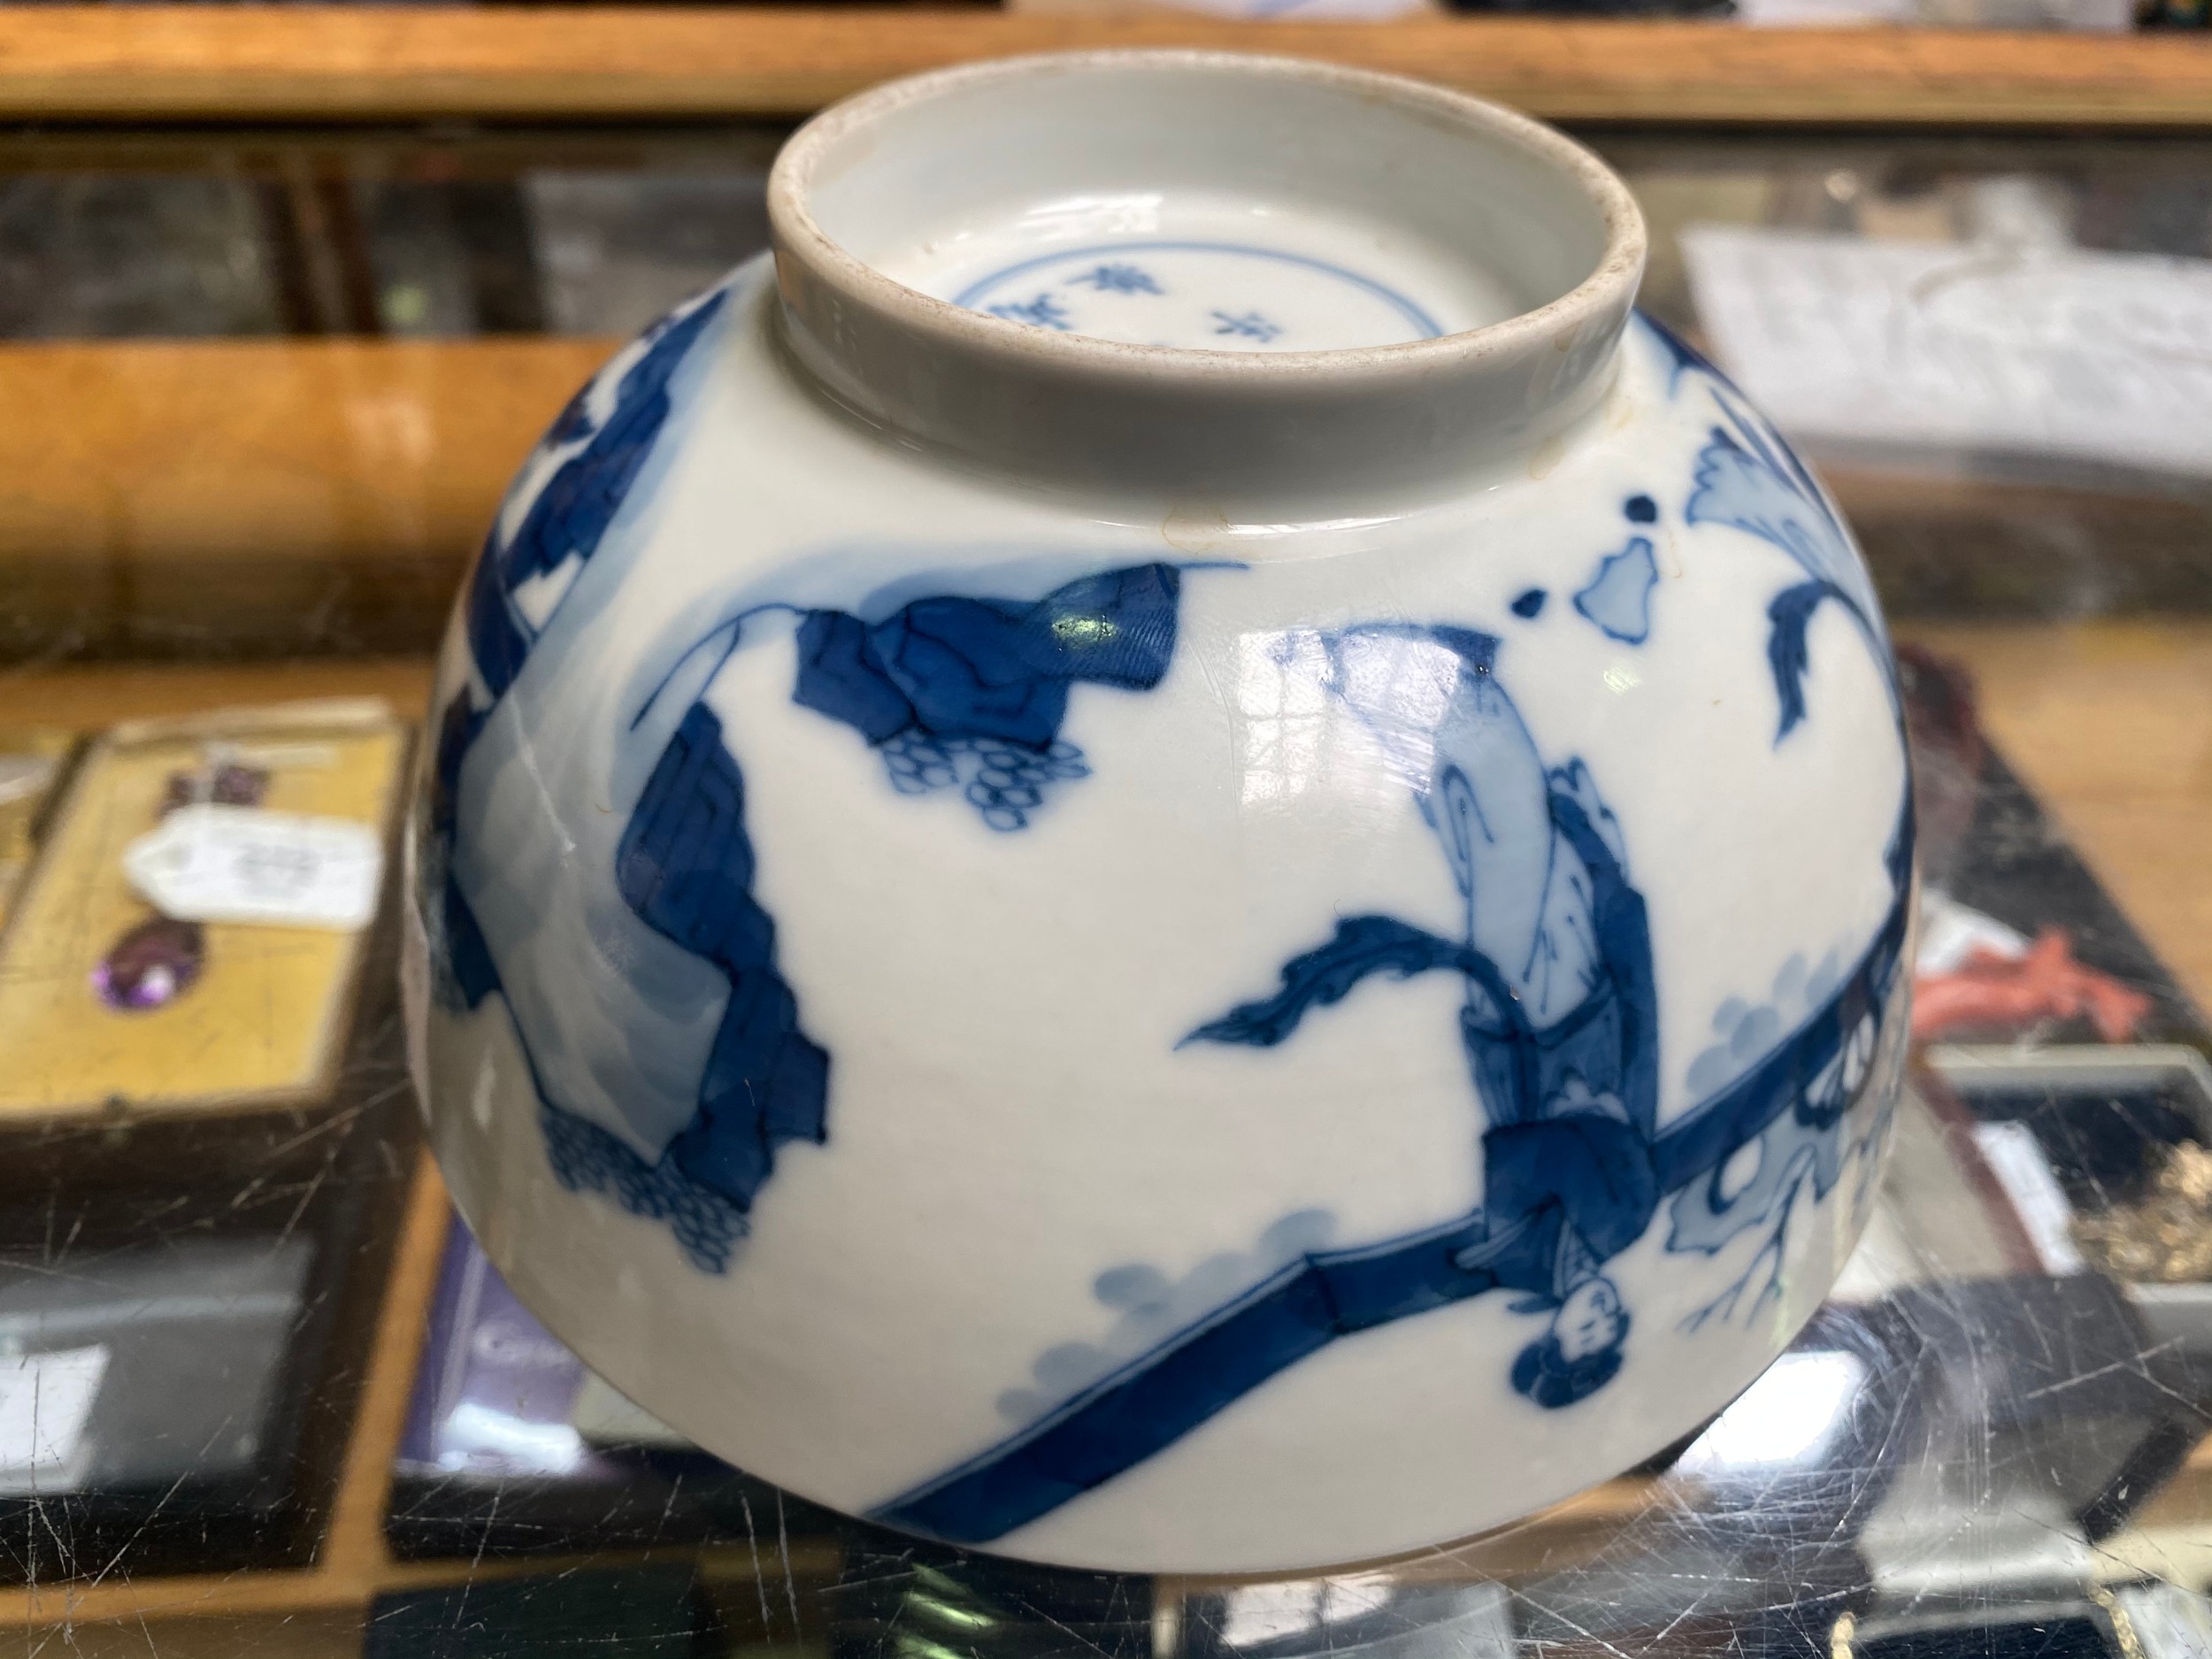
(237,489)
(249,64)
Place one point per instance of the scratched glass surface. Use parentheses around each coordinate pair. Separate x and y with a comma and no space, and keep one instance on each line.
(259,1396)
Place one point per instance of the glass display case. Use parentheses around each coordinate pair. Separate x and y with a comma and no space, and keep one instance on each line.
(279,314)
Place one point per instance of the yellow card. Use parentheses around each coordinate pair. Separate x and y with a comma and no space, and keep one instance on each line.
(260,1020)
(31,763)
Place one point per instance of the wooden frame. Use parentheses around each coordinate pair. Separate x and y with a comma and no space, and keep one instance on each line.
(187,63)
(72,881)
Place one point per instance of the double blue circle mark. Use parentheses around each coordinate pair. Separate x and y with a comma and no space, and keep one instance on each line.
(1413,314)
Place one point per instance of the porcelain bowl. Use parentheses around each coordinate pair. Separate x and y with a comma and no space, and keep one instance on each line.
(1167,854)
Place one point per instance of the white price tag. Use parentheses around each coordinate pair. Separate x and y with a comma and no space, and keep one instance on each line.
(212,863)
(45,1402)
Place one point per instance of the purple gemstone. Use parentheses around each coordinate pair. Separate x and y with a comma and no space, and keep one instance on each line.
(152,965)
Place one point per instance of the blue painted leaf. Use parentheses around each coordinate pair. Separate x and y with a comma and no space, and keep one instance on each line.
(1792,610)
(1362,946)
(1618,596)
(955,667)
(841,675)
(1748,478)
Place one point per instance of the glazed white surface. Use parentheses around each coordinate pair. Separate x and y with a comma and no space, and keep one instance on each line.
(1194,269)
(1050,152)
(1463,204)
(1010,1112)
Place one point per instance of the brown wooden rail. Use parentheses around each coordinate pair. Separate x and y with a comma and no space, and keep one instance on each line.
(268,495)
(349,64)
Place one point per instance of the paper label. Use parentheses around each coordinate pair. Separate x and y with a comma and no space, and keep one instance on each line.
(45,1402)
(1967,346)
(212,863)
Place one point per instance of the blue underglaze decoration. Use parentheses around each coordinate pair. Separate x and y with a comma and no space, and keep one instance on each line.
(463,971)
(1582,1169)
(1529,604)
(587,1159)
(573,508)
(948,688)
(470,975)
(1148,1305)
(557,534)
(1424,325)
(973,691)
(1786,655)
(1004,784)
(1560,1003)
(1113,278)
(1800,1153)
(1641,509)
(1559,1030)
(1681,355)
(685,866)
(1250,326)
(1044,312)
(1748,477)
(1618,598)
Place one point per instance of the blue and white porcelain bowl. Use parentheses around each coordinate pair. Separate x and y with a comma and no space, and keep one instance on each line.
(1168,854)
